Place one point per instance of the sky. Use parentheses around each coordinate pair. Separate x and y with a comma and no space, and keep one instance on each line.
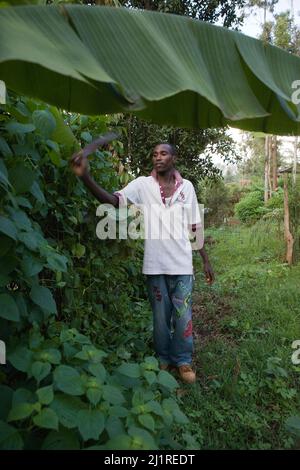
(252,27)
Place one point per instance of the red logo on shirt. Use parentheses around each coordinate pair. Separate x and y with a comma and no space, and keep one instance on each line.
(181,196)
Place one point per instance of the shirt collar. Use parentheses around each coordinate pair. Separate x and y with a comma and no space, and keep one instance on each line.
(177,176)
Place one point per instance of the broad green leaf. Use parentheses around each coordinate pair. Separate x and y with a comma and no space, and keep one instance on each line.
(8,308)
(47,418)
(114,427)
(21,178)
(180,417)
(21,359)
(53,145)
(68,380)
(3,171)
(21,219)
(86,136)
(141,439)
(31,266)
(67,409)
(44,122)
(42,296)
(23,202)
(130,370)
(45,395)
(154,407)
(10,438)
(23,395)
(121,442)
(147,421)
(57,262)
(61,440)
(167,380)
(26,150)
(49,355)
(78,250)
(20,411)
(113,395)
(151,363)
(138,397)
(90,424)
(119,411)
(169,404)
(94,395)
(30,239)
(37,193)
(63,134)
(90,353)
(55,159)
(5,150)
(8,227)
(19,128)
(150,376)
(98,371)
(40,370)
(209,76)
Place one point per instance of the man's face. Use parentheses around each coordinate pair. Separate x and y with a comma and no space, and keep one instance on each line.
(163,160)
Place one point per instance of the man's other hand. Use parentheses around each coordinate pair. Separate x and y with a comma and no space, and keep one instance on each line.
(209,274)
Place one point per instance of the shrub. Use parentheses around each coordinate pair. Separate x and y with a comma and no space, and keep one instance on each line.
(251,207)
(63,389)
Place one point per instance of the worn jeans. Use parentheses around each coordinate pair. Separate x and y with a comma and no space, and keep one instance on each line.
(171,301)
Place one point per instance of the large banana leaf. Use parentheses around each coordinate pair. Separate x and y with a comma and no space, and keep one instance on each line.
(166,68)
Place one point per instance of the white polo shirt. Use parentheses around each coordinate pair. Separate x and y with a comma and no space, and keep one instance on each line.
(167,223)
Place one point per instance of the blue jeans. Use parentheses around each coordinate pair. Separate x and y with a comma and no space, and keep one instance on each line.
(171,301)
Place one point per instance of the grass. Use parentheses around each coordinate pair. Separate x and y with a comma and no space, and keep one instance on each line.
(244,326)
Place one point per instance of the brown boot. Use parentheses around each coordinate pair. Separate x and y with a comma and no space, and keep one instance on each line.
(187,374)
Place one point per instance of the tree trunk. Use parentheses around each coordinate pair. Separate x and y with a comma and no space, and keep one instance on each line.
(266,193)
(295,159)
(274,162)
(287,234)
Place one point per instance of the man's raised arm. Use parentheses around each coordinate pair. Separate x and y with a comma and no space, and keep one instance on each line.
(80,166)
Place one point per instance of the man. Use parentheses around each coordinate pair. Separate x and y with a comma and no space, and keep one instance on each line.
(165,197)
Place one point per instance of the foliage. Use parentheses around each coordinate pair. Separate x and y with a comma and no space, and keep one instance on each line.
(227,12)
(196,148)
(68,311)
(90,76)
(250,207)
(246,324)
(216,198)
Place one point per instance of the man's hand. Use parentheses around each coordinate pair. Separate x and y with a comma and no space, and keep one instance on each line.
(79,164)
(209,274)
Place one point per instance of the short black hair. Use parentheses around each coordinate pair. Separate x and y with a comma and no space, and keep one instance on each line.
(171,146)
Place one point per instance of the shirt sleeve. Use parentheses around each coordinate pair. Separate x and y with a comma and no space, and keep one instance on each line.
(130,194)
(194,216)
(195,224)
